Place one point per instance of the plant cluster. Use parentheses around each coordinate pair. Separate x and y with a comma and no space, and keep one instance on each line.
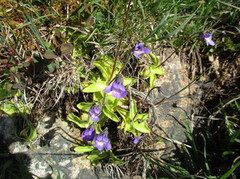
(110,105)
(111,101)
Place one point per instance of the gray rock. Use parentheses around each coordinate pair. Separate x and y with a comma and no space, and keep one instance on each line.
(174,102)
(50,155)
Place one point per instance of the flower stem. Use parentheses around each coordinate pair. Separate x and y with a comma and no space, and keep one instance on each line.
(120,41)
(118,48)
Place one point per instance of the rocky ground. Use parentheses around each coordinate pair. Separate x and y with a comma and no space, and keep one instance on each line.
(171,105)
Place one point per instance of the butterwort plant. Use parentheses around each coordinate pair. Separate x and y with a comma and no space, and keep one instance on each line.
(104,106)
(89,133)
(139,50)
(95,112)
(135,139)
(116,88)
(102,142)
(208,39)
(153,68)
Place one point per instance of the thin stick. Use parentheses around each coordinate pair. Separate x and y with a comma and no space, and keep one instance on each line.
(120,41)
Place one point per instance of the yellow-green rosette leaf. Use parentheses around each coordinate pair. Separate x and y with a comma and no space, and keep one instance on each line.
(152,70)
(133,109)
(106,72)
(84,149)
(96,155)
(95,87)
(9,109)
(152,80)
(84,106)
(78,121)
(129,81)
(111,115)
(142,117)
(123,112)
(128,127)
(141,127)
(98,96)
(154,58)
(157,70)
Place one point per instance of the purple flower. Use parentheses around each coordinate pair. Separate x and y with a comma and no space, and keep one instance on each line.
(101,142)
(95,112)
(140,50)
(89,133)
(208,39)
(116,88)
(135,140)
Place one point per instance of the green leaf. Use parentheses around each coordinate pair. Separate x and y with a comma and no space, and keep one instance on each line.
(33,132)
(151,73)
(105,65)
(133,109)
(57,33)
(4,93)
(231,170)
(141,127)
(114,159)
(85,106)
(99,16)
(142,9)
(152,70)
(95,87)
(84,148)
(97,96)
(78,51)
(235,136)
(34,20)
(227,153)
(111,101)
(105,71)
(128,127)
(9,109)
(183,24)
(48,45)
(66,49)
(29,132)
(157,70)
(123,112)
(50,55)
(154,59)
(129,81)
(152,80)
(96,155)
(142,117)
(158,27)
(78,121)
(111,115)
(52,67)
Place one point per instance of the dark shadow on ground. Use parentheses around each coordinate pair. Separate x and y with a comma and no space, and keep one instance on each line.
(10,167)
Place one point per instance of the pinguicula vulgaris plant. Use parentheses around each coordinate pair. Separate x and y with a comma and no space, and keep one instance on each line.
(110,101)
(95,112)
(116,89)
(89,134)
(140,50)
(152,68)
(135,140)
(208,39)
(102,142)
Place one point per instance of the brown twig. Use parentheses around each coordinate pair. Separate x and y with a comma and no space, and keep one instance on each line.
(120,41)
